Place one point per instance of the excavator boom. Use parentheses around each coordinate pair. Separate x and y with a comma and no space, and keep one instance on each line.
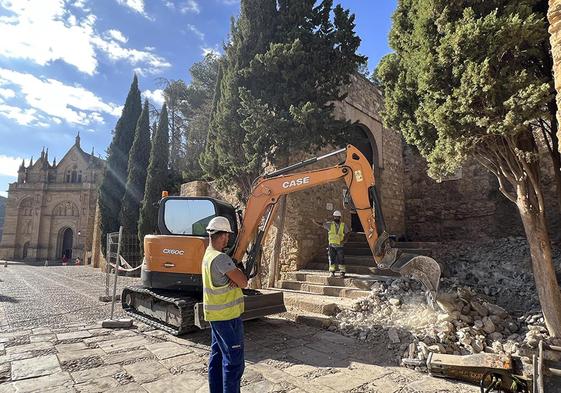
(358,175)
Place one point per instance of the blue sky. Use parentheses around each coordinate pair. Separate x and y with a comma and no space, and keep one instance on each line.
(66,65)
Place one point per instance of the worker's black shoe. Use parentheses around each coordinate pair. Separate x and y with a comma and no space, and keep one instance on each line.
(342,274)
(332,274)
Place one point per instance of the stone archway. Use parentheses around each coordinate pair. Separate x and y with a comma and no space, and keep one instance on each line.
(65,243)
(363,139)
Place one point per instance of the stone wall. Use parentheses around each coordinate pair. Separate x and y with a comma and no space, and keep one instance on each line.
(469,205)
(465,207)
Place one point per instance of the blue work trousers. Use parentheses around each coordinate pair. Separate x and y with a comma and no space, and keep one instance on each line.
(226,364)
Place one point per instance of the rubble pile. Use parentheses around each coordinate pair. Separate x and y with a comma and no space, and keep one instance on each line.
(498,268)
(465,323)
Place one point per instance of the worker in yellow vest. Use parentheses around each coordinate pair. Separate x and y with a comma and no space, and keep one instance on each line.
(223,304)
(337,236)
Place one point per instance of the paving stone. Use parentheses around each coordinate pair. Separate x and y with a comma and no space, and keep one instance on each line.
(79,354)
(97,339)
(42,337)
(15,356)
(99,331)
(5,372)
(185,362)
(147,371)
(125,333)
(97,385)
(128,388)
(187,382)
(261,387)
(126,357)
(40,346)
(35,367)
(43,384)
(278,376)
(299,370)
(73,335)
(121,344)
(167,350)
(70,347)
(343,381)
(98,372)
(42,330)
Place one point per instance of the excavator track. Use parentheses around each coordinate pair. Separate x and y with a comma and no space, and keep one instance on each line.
(161,309)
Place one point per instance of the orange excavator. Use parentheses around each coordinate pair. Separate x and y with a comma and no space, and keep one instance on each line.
(170,297)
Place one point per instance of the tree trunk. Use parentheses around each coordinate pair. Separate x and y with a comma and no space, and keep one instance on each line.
(542,264)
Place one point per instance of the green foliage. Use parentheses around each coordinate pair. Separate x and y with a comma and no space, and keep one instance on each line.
(465,75)
(157,174)
(281,73)
(112,187)
(137,172)
(197,107)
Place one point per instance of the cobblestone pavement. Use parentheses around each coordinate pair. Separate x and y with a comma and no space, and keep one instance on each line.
(54,295)
(65,356)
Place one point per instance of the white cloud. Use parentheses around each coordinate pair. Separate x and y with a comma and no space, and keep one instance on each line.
(148,62)
(207,50)
(21,116)
(44,31)
(7,93)
(156,96)
(196,31)
(190,6)
(135,5)
(231,2)
(50,100)
(117,36)
(9,165)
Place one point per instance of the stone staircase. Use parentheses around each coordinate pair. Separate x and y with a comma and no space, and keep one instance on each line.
(312,297)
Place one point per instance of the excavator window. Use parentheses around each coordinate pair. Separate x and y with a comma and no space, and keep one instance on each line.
(189,216)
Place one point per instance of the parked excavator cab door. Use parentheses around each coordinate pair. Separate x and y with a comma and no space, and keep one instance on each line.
(189,216)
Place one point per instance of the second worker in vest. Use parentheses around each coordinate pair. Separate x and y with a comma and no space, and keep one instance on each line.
(337,235)
(223,304)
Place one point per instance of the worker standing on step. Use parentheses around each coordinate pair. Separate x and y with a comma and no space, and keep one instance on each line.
(337,233)
(223,304)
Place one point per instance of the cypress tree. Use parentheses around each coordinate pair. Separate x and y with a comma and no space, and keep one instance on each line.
(157,175)
(281,73)
(112,187)
(136,180)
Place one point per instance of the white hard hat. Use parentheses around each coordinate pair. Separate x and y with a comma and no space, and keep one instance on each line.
(336,213)
(219,224)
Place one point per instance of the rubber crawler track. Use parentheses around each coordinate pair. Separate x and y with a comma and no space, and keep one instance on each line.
(185,305)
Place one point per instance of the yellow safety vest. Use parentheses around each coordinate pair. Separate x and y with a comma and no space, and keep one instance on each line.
(336,237)
(219,303)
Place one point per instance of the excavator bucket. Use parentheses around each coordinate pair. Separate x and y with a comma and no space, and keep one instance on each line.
(420,268)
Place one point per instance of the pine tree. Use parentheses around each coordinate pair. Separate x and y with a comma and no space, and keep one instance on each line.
(157,174)
(136,180)
(280,75)
(112,187)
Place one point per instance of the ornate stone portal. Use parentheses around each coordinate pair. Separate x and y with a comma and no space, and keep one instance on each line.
(50,209)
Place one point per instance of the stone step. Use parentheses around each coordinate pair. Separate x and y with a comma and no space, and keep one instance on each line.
(298,301)
(357,281)
(354,269)
(365,251)
(337,291)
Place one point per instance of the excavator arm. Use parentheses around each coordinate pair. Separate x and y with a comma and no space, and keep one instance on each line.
(358,175)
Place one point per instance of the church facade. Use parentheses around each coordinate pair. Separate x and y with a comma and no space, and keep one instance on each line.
(51,207)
